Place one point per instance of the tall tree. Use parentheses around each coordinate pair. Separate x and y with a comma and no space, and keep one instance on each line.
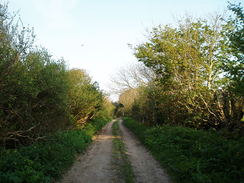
(85,98)
(234,61)
(185,60)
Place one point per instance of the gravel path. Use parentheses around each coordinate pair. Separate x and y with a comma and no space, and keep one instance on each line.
(95,166)
(145,167)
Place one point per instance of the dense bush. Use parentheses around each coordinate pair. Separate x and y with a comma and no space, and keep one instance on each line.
(47,160)
(39,100)
(193,155)
(33,98)
(94,125)
(38,94)
(85,98)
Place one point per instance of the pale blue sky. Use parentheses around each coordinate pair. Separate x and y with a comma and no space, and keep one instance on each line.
(104,27)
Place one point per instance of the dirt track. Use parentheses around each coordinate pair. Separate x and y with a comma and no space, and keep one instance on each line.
(145,168)
(95,166)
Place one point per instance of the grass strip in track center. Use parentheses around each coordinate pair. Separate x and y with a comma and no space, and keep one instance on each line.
(120,159)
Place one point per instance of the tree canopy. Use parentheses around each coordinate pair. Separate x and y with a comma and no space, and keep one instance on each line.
(198,68)
(39,94)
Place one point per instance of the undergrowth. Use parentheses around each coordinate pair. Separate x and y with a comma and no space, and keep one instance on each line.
(193,156)
(47,160)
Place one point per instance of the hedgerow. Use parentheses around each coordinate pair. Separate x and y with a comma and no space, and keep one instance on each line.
(193,156)
(47,160)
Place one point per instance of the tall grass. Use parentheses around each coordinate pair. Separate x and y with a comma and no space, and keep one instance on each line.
(193,156)
(47,160)
(121,162)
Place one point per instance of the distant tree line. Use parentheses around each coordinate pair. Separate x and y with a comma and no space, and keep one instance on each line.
(195,75)
(39,95)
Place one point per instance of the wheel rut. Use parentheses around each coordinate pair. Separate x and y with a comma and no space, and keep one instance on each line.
(96,165)
(146,168)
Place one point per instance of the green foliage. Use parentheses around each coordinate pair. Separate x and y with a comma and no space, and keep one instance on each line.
(85,97)
(194,85)
(95,125)
(39,99)
(33,96)
(39,96)
(106,112)
(33,87)
(185,60)
(127,99)
(47,160)
(234,63)
(193,155)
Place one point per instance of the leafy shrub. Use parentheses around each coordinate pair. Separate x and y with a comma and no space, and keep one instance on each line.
(95,125)
(85,97)
(193,155)
(39,95)
(46,161)
(33,98)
